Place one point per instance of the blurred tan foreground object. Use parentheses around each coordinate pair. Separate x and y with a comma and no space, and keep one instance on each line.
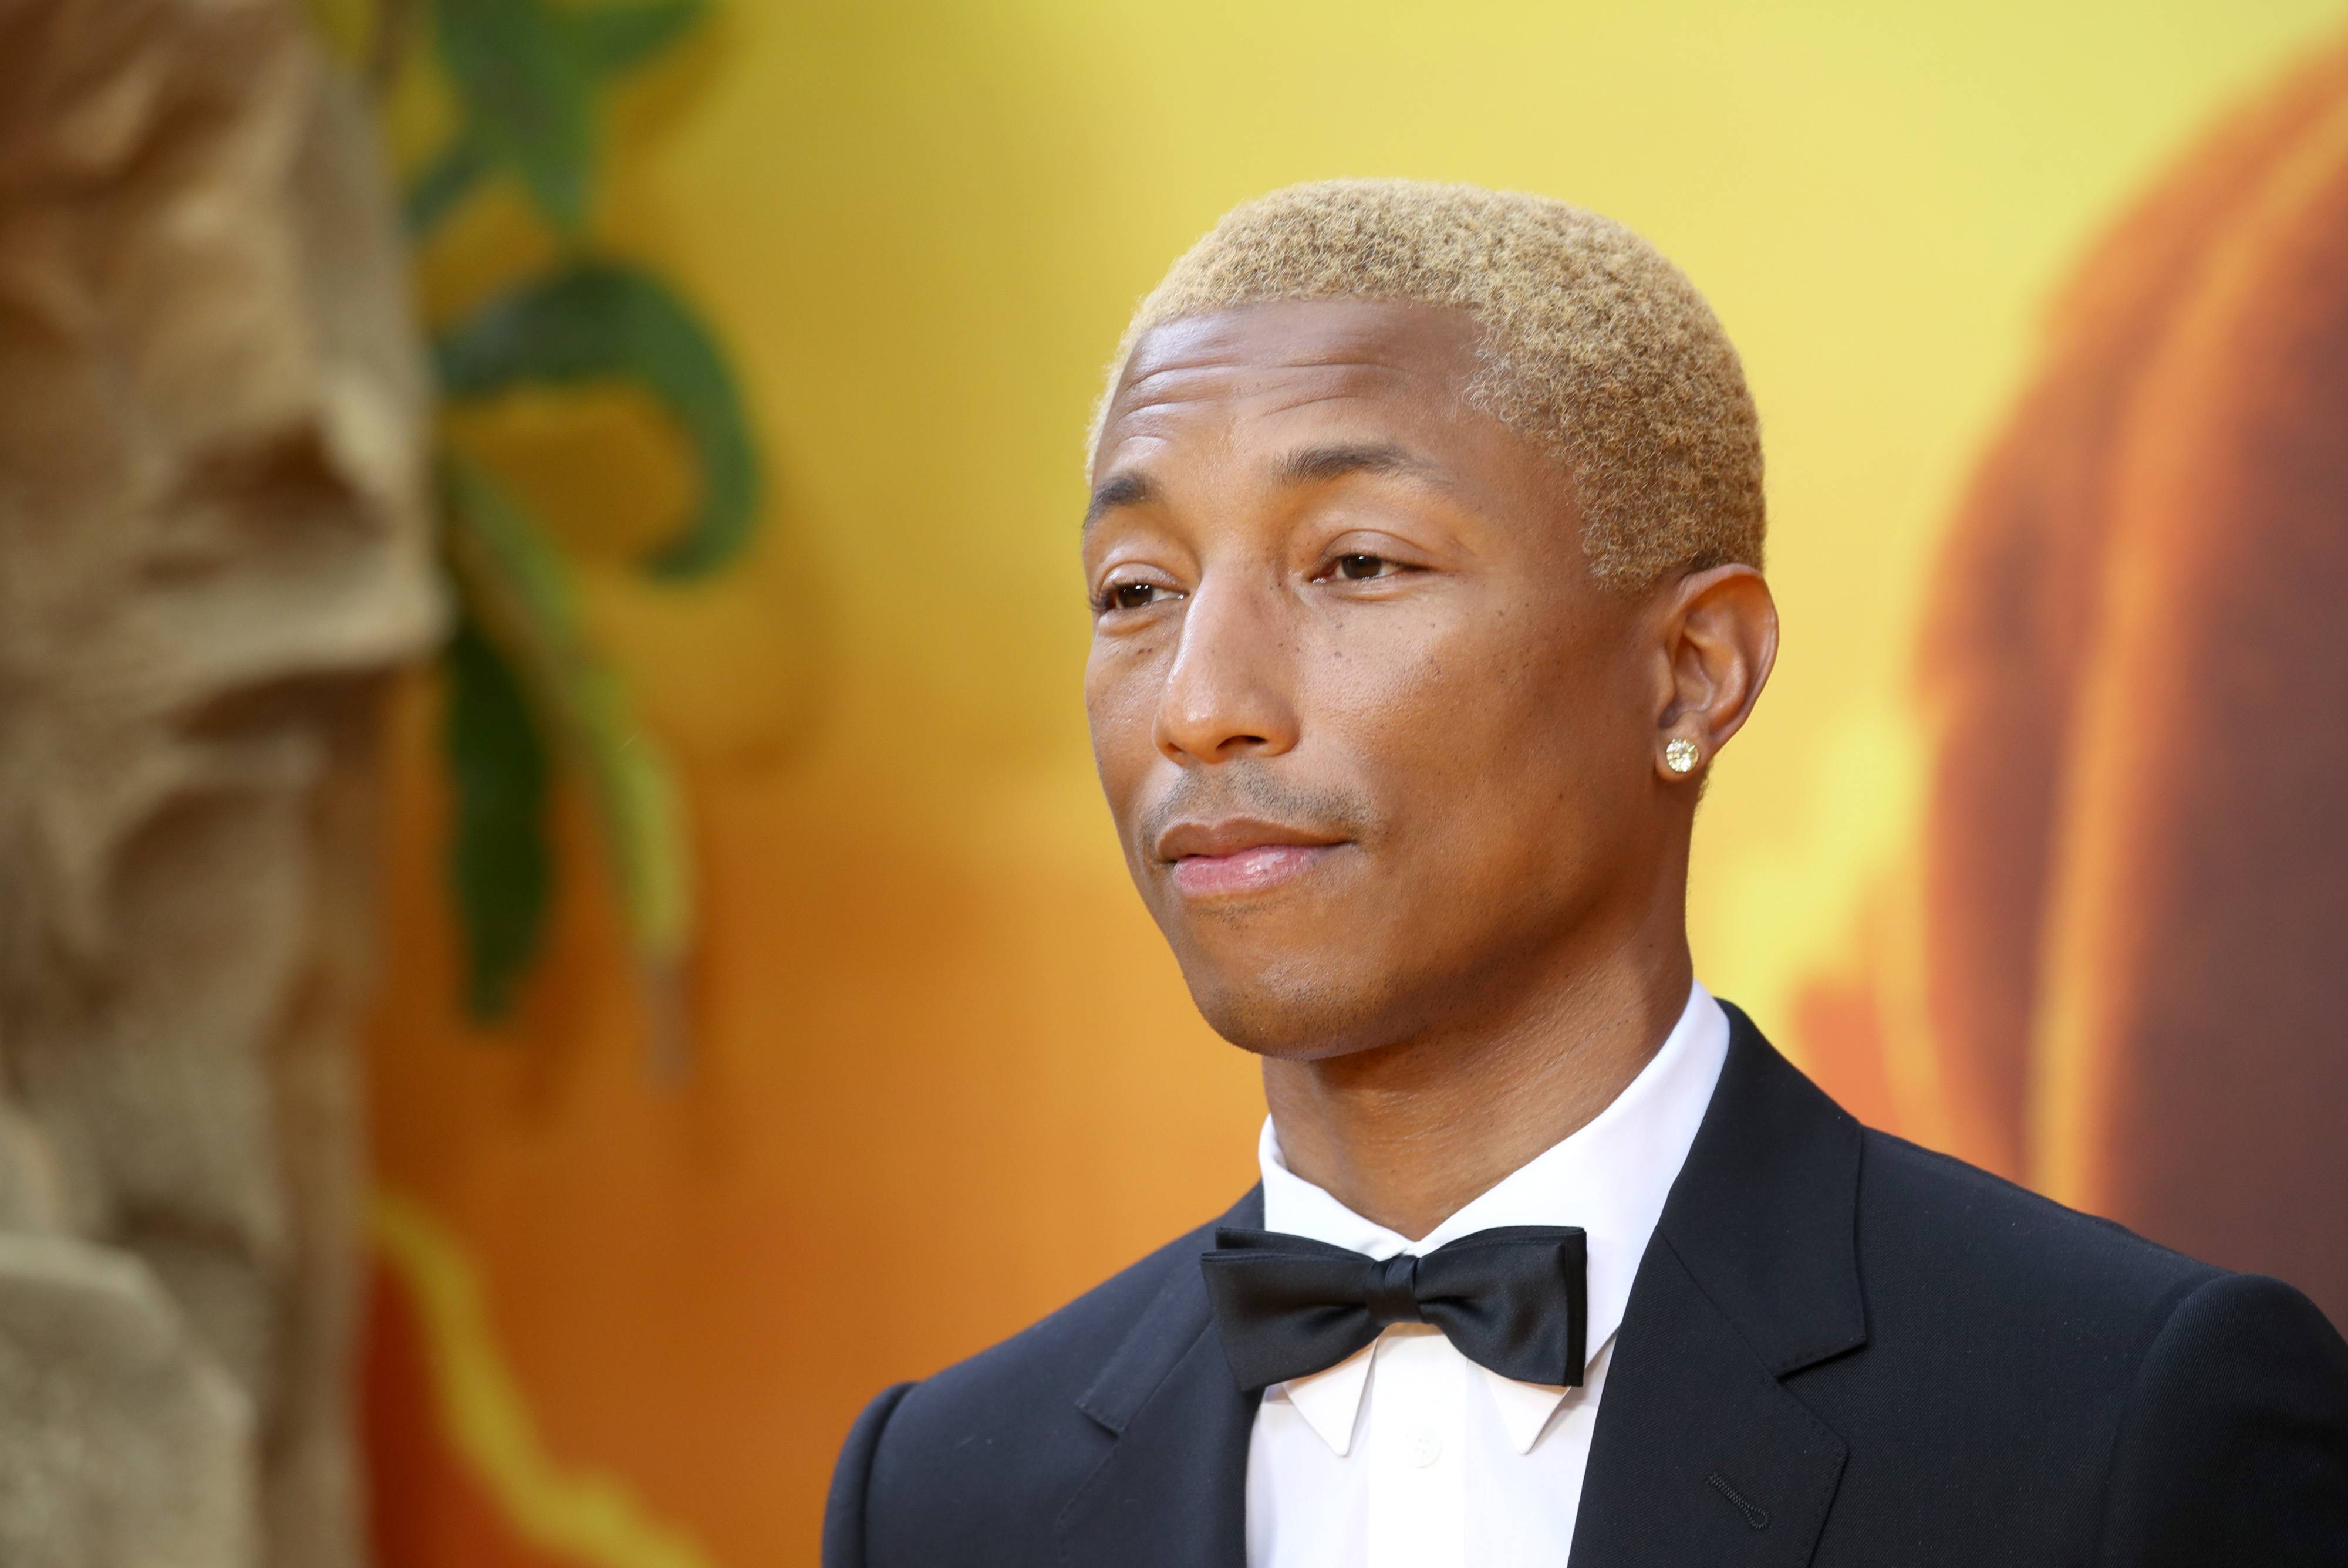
(214,543)
(2133,934)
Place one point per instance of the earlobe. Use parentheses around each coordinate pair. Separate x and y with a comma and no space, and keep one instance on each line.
(1724,639)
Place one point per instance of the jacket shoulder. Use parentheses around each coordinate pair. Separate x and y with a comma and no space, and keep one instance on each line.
(2035,1375)
(993,1447)
(1056,1357)
(2236,1447)
(1952,1221)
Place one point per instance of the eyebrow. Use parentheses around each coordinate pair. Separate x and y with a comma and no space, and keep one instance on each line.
(1319,465)
(1308,465)
(1120,490)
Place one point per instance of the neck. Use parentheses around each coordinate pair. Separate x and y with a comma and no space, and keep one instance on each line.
(1407,1135)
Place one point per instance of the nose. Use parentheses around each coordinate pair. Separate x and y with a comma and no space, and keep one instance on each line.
(1228,692)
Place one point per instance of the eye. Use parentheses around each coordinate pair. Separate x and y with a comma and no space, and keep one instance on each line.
(1130,594)
(1359,566)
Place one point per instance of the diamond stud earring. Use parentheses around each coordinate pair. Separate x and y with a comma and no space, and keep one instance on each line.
(1679,755)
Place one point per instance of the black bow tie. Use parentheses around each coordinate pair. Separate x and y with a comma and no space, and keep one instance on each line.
(1513,1299)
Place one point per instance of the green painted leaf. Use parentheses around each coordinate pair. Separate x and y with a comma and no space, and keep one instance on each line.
(602,320)
(498,864)
(617,38)
(443,182)
(526,89)
(524,592)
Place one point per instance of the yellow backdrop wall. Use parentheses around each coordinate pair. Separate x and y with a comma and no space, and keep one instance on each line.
(929,1009)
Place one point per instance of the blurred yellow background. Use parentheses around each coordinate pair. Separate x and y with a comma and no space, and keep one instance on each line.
(937,1038)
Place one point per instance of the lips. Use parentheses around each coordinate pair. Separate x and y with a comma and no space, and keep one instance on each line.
(1239,855)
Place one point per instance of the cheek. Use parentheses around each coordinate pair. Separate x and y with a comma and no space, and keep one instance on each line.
(1452,688)
(1476,728)
(1120,704)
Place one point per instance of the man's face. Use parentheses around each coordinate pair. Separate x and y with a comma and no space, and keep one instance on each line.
(1375,741)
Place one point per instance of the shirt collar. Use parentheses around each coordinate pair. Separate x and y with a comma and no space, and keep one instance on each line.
(1610,1178)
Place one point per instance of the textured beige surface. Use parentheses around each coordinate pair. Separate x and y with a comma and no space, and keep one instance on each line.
(124,1444)
(213,542)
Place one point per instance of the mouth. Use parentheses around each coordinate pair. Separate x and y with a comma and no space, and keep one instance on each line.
(1238,856)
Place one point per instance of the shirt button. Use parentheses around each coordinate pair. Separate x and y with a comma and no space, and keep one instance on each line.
(1426,1448)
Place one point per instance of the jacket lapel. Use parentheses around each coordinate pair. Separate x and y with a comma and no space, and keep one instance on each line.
(1172,1492)
(1703,1455)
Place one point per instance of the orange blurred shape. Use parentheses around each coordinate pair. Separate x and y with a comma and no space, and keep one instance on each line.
(2134,671)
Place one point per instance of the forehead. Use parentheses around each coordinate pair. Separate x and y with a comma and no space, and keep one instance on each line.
(1270,364)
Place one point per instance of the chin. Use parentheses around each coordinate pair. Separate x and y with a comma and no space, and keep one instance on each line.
(1294,1013)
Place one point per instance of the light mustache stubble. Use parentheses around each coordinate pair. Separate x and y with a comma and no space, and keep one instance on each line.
(1249,787)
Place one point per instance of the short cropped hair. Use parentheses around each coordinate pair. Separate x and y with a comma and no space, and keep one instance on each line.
(1592,342)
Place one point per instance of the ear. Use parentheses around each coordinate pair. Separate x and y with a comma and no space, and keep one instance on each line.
(1718,638)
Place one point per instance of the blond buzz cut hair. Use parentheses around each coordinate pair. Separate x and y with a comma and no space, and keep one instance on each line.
(1592,342)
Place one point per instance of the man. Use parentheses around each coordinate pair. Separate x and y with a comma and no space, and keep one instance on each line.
(1424,553)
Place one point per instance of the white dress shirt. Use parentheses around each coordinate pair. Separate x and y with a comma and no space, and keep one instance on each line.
(1407,1454)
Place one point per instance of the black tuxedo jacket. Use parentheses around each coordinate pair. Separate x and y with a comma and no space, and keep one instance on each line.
(1840,1349)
